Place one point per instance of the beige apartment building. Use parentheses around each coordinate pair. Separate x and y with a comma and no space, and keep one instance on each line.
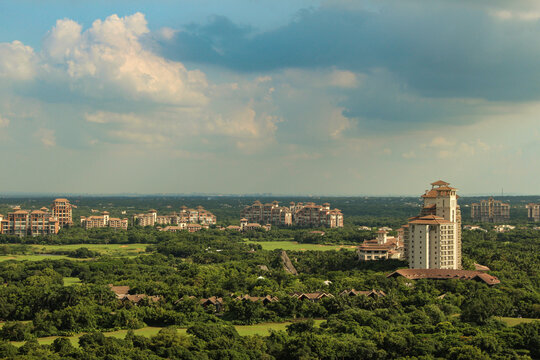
(432,240)
(29,223)
(312,215)
(491,210)
(102,221)
(533,212)
(299,214)
(185,216)
(63,211)
(270,213)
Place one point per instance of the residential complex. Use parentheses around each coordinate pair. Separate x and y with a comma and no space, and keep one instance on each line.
(29,223)
(185,216)
(104,220)
(383,247)
(62,210)
(490,210)
(270,213)
(533,212)
(299,214)
(432,240)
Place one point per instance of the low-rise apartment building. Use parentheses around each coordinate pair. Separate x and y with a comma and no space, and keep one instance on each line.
(312,215)
(270,213)
(29,223)
(383,247)
(490,210)
(102,221)
(533,212)
(185,216)
(298,214)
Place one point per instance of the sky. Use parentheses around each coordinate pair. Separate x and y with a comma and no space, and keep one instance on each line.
(329,97)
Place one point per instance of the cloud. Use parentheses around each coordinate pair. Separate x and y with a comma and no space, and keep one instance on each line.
(17,61)
(3,122)
(109,58)
(418,43)
(46,137)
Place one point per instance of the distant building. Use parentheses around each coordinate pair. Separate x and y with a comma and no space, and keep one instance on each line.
(299,214)
(29,223)
(246,226)
(185,216)
(503,228)
(62,210)
(313,215)
(533,212)
(383,247)
(104,220)
(432,240)
(147,219)
(270,213)
(491,210)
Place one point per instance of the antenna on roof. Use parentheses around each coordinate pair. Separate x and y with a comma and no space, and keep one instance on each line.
(502,192)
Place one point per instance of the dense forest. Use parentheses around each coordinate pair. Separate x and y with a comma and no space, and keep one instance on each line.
(422,319)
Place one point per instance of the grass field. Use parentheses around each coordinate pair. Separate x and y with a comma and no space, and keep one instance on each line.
(104,249)
(42,252)
(243,330)
(515,321)
(293,245)
(70,281)
(32,257)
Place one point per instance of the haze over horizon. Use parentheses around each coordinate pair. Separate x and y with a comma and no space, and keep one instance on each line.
(320,97)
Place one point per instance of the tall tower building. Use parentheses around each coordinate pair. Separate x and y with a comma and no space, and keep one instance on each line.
(432,240)
(62,210)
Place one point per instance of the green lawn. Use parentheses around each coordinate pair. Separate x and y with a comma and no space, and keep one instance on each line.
(243,330)
(104,249)
(293,245)
(33,257)
(69,281)
(515,321)
(42,252)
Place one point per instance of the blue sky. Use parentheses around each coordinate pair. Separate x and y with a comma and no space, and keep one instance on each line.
(329,97)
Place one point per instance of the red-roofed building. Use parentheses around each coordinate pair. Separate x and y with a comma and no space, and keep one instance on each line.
(383,247)
(28,223)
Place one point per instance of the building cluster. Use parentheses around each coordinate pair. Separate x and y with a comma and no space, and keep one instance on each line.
(40,222)
(491,210)
(102,221)
(533,212)
(181,219)
(297,214)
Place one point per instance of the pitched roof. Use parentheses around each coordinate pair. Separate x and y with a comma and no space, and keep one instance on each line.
(119,290)
(414,274)
(439,182)
(430,220)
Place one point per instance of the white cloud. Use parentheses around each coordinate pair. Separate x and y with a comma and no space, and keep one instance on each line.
(343,79)
(516,15)
(46,136)
(17,61)
(409,155)
(3,122)
(109,58)
(244,123)
(440,141)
